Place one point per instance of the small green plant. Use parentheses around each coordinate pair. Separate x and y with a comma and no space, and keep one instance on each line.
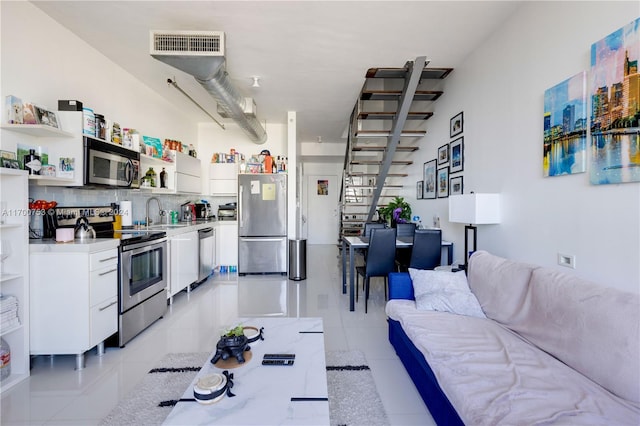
(235,332)
(391,212)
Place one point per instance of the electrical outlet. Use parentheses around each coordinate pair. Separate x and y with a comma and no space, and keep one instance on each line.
(568,260)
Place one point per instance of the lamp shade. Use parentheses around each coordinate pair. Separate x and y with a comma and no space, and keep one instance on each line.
(475,209)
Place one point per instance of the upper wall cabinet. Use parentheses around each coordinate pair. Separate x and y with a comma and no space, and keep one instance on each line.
(188,174)
(223,179)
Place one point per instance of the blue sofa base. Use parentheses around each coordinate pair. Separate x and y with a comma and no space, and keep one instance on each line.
(400,287)
(439,406)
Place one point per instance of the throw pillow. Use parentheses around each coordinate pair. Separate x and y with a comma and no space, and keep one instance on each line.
(444,291)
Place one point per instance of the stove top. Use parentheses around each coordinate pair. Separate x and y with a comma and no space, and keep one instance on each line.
(101,219)
(128,237)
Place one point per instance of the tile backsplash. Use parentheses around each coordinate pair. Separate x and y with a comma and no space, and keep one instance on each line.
(81,197)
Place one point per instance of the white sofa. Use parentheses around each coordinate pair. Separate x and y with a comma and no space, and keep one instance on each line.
(553,348)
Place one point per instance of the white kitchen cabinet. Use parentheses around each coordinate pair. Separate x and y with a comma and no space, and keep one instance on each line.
(223,179)
(187,174)
(74,299)
(183,262)
(227,243)
(14,269)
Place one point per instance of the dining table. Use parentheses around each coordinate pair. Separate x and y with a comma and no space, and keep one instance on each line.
(353,243)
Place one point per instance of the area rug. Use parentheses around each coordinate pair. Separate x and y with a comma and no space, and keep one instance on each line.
(353,398)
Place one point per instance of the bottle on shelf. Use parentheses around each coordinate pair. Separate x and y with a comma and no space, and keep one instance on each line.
(274,167)
(163,178)
(152,177)
(32,162)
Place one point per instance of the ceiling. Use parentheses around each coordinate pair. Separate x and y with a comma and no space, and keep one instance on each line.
(311,56)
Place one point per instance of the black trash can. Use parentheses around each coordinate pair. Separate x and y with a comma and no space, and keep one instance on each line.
(297,260)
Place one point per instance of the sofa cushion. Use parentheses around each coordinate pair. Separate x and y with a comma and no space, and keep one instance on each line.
(593,329)
(444,291)
(499,284)
(491,375)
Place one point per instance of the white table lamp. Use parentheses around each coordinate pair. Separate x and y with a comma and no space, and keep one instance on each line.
(473,209)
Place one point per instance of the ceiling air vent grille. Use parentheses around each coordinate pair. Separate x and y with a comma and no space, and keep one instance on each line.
(191,42)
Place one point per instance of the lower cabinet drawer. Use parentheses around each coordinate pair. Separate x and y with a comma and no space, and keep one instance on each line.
(103,259)
(104,284)
(104,320)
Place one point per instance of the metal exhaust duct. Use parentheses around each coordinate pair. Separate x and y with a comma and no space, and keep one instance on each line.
(201,54)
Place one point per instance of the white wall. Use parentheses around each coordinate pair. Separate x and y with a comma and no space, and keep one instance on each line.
(41,62)
(212,138)
(500,88)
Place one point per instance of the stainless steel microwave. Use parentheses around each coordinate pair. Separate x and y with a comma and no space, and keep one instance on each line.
(107,164)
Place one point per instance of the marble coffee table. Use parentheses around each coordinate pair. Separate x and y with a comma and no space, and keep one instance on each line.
(268,395)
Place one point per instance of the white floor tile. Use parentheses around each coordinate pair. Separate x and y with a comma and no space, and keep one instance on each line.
(56,394)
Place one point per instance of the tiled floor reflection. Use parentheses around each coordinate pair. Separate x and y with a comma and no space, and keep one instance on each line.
(55,394)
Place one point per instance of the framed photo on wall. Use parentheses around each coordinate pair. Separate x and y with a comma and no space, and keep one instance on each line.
(457,155)
(419,190)
(455,185)
(443,182)
(443,154)
(429,180)
(455,125)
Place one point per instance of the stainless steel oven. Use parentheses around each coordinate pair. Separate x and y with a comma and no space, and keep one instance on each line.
(143,283)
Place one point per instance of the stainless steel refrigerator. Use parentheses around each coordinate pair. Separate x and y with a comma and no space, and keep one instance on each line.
(262,223)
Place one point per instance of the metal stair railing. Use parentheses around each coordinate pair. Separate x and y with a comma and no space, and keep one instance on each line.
(414,70)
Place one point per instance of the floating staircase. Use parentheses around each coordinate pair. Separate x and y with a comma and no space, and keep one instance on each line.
(386,126)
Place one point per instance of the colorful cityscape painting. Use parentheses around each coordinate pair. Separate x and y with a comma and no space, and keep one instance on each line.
(565,127)
(615,107)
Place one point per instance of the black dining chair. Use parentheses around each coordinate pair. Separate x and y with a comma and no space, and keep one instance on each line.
(427,249)
(368,226)
(403,254)
(380,260)
(366,232)
(405,229)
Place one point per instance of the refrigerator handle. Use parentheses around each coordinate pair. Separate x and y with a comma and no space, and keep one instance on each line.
(240,209)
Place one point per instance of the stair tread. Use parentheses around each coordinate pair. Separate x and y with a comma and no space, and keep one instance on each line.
(387,133)
(394,95)
(382,148)
(373,162)
(427,73)
(373,186)
(382,115)
(377,174)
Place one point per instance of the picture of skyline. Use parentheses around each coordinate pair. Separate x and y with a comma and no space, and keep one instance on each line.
(615,107)
(565,127)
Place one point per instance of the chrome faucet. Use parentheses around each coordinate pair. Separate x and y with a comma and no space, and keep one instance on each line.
(147,218)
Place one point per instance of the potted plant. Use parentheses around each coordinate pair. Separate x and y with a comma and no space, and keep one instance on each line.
(397,211)
(232,344)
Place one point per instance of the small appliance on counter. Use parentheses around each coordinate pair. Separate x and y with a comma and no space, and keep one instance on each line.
(228,211)
(187,212)
(204,211)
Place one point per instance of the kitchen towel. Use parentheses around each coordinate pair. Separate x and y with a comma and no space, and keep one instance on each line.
(126,212)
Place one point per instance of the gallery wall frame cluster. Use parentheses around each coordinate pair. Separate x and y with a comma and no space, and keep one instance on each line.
(437,180)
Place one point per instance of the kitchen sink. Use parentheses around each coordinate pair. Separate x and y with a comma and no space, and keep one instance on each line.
(168,225)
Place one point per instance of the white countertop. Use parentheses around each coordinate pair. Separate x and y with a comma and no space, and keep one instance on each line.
(99,244)
(75,246)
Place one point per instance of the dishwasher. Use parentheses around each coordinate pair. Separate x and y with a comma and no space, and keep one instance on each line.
(206,242)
